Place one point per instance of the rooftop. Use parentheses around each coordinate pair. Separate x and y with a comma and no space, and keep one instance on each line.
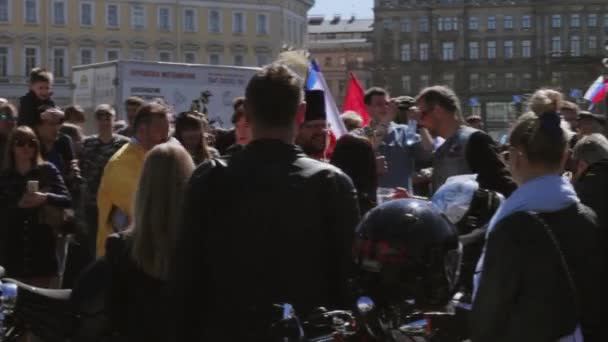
(337,24)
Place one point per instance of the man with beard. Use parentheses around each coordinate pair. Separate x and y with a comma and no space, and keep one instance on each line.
(466,150)
(313,133)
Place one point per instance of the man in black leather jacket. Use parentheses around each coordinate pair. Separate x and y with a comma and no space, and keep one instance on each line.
(266,225)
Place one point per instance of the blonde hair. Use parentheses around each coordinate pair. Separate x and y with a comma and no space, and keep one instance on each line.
(158,200)
(545,100)
(539,133)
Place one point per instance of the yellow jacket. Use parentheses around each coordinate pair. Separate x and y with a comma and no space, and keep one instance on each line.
(117,188)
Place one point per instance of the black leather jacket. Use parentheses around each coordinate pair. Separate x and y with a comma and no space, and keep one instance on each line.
(268,225)
(524,293)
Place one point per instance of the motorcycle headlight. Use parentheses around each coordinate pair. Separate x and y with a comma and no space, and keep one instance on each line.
(8,296)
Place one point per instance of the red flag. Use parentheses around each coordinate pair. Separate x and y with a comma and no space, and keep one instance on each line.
(354,98)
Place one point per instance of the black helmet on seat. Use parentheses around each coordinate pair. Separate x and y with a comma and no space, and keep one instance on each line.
(407,249)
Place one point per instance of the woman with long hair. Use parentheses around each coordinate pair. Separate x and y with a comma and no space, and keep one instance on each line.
(539,276)
(139,257)
(190,131)
(27,185)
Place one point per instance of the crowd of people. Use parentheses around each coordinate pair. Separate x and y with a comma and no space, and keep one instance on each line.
(214,225)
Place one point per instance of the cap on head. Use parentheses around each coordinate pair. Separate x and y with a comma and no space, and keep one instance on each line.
(588,115)
(315,105)
(404,102)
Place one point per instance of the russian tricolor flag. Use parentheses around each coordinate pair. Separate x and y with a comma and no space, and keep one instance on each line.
(316,81)
(597,91)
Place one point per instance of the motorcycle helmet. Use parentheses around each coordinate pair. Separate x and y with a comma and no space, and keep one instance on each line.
(465,204)
(470,209)
(407,250)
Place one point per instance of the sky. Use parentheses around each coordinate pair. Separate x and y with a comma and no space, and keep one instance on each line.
(360,8)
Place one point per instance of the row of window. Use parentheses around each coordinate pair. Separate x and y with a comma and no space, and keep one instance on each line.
(59,10)
(476,81)
(448,49)
(508,23)
(59,58)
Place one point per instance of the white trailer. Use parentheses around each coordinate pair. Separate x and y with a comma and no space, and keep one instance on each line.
(178,84)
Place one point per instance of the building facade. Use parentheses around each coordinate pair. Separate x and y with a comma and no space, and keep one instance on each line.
(493,53)
(341,46)
(58,34)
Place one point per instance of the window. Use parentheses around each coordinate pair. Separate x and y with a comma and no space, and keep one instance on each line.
(473,23)
(556,45)
(31,59)
(510,81)
(387,23)
(473,50)
(342,61)
(164,18)
(423,24)
(138,16)
(592,20)
(360,62)
(474,81)
(86,56)
(406,25)
(508,22)
(424,81)
(112,54)
(5,60)
(491,22)
(214,23)
(448,80)
(190,22)
(59,62)
(497,111)
(491,50)
(138,55)
(508,49)
(31,11)
(526,48)
(526,22)
(556,77)
(214,59)
(447,51)
(341,86)
(526,81)
(448,24)
(112,15)
(575,20)
(59,12)
(406,84)
(5,11)
(406,53)
(238,22)
(491,81)
(86,14)
(261,59)
(605,20)
(592,43)
(164,56)
(575,46)
(189,57)
(328,62)
(424,51)
(262,24)
(239,60)
(556,21)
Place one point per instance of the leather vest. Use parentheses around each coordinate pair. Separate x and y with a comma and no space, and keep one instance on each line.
(450,158)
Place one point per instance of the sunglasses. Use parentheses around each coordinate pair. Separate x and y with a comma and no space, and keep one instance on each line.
(29,143)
